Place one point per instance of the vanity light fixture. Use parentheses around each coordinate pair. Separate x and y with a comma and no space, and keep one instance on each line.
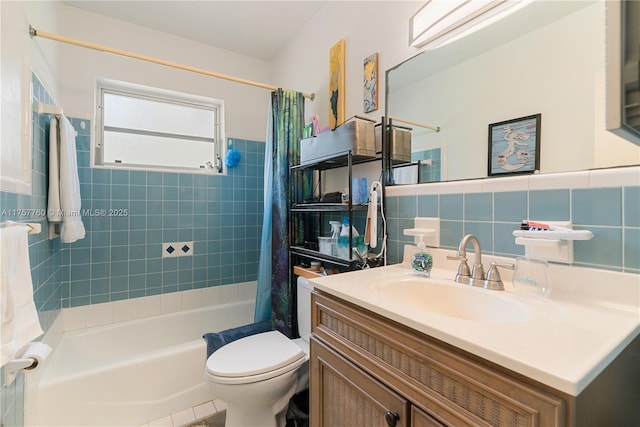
(441,21)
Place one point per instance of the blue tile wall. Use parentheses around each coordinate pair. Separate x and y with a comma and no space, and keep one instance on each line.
(45,255)
(429,172)
(612,214)
(134,212)
(120,257)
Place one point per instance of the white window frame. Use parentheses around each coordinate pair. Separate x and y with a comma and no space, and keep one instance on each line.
(160,95)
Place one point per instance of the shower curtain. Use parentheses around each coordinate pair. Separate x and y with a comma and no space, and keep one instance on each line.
(274,298)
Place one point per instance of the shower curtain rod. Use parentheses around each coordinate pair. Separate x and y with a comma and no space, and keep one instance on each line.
(37,33)
(398,119)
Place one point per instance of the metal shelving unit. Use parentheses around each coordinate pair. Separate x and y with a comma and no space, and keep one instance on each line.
(315,213)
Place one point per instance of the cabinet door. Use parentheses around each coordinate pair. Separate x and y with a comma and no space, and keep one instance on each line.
(420,418)
(343,395)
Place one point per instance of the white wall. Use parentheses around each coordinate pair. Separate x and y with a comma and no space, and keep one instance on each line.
(18,55)
(382,27)
(69,73)
(246,106)
(367,27)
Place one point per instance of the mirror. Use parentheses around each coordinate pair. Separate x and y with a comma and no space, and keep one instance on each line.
(547,58)
(623,69)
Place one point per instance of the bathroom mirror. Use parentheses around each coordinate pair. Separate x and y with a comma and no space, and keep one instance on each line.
(546,58)
(623,69)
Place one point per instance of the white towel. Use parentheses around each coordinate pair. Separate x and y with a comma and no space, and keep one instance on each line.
(20,323)
(64,186)
(406,174)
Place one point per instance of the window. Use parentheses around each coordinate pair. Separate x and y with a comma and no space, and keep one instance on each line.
(147,128)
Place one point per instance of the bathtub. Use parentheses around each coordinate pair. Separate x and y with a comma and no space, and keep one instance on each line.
(134,372)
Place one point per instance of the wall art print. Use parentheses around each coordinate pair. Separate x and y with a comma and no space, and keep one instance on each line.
(336,84)
(370,83)
(514,146)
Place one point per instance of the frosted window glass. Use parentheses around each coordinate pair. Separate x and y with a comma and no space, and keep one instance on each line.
(157,116)
(153,128)
(148,150)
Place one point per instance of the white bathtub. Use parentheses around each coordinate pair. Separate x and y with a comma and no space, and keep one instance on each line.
(130,373)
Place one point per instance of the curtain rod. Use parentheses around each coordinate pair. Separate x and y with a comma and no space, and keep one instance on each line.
(398,119)
(37,33)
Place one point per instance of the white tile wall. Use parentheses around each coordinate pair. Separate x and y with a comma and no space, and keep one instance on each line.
(498,185)
(559,180)
(119,311)
(614,177)
(189,415)
(204,411)
(183,418)
(100,314)
(619,177)
(149,306)
(170,303)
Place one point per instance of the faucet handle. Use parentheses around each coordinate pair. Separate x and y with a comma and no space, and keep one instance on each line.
(494,281)
(464,272)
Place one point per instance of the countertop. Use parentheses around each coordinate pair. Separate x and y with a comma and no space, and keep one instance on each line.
(565,343)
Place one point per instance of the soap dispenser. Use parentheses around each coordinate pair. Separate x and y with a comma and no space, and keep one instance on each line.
(421,259)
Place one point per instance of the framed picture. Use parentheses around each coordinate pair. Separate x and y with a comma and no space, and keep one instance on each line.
(336,84)
(514,146)
(370,101)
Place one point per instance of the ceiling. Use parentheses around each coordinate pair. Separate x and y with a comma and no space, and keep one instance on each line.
(259,29)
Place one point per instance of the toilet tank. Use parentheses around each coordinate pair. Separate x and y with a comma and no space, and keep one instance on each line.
(304,308)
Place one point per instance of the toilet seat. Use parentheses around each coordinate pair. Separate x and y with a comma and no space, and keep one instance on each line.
(254,358)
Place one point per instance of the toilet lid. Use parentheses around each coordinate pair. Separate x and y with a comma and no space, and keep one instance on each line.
(254,355)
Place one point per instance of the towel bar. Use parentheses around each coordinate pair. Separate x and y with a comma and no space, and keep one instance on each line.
(34,227)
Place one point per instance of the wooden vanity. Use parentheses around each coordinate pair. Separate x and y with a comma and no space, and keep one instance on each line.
(369,370)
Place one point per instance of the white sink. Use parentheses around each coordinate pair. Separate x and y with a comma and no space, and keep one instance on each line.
(448,298)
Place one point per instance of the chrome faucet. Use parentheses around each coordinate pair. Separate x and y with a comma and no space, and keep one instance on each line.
(476,276)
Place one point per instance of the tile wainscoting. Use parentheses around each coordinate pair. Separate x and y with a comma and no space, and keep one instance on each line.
(605,201)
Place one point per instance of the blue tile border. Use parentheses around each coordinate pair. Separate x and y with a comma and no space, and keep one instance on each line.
(611,213)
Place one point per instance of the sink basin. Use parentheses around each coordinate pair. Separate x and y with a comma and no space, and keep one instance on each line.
(451,299)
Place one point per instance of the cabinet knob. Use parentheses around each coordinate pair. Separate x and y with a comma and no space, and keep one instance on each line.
(391,418)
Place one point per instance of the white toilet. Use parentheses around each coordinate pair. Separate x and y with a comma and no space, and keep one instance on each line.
(257,375)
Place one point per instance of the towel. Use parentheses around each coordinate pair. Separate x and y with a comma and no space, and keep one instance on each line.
(215,340)
(64,185)
(405,174)
(20,323)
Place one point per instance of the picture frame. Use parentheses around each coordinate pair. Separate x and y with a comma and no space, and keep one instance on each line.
(336,84)
(370,84)
(514,146)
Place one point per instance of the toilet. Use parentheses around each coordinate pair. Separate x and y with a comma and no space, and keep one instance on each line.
(257,375)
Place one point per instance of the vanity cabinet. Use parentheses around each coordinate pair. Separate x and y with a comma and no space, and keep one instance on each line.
(365,368)
(347,396)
